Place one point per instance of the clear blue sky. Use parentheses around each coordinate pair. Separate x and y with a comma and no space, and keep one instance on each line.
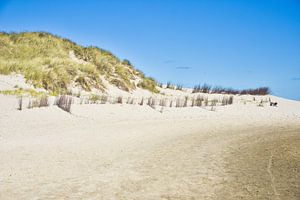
(232,43)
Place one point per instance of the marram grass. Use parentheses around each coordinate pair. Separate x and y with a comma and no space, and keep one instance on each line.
(44,59)
(22,92)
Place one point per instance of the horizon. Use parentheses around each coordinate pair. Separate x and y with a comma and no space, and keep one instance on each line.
(241,45)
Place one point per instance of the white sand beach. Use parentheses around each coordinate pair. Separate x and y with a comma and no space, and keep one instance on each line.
(120,151)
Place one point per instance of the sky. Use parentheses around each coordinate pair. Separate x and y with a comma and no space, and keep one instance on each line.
(231,43)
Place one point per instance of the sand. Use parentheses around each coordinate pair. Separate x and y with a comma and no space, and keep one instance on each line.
(240,151)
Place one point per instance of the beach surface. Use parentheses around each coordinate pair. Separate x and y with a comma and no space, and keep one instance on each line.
(136,152)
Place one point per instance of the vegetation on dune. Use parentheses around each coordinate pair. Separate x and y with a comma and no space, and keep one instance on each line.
(53,63)
(170,86)
(20,92)
(149,84)
(205,88)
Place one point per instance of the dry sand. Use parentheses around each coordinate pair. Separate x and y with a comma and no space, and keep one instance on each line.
(135,152)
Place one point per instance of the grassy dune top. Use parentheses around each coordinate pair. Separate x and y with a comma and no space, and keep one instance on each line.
(53,63)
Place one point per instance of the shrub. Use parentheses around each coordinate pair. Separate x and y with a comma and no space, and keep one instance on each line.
(126,62)
(257,91)
(179,87)
(205,88)
(196,89)
(221,90)
(170,85)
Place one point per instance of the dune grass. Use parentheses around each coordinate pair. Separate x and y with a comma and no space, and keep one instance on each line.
(21,92)
(53,63)
(149,84)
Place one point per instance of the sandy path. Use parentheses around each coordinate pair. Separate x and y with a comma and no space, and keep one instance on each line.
(255,163)
(184,159)
(264,165)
